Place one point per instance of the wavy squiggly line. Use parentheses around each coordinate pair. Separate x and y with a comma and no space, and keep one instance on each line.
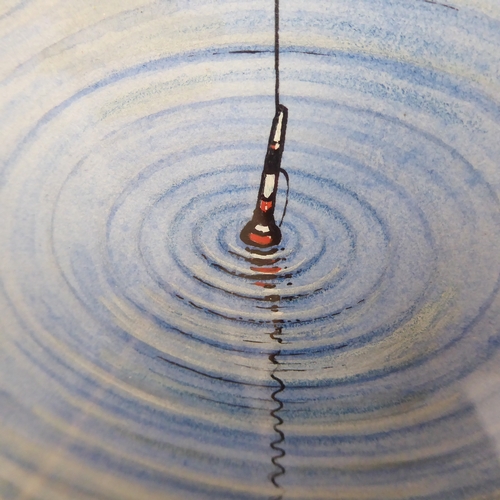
(276,445)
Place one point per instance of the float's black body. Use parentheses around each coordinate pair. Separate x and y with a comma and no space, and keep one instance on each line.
(262,230)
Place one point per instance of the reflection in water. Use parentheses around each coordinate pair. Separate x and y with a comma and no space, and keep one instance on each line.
(260,264)
(278,444)
(266,267)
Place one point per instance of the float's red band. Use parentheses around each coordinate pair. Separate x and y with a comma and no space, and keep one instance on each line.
(260,240)
(266,205)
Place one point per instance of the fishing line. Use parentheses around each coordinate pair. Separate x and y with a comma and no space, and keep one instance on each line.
(277,51)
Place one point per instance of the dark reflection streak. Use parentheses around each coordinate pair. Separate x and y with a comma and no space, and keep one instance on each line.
(260,251)
(293,51)
(310,52)
(247,51)
(300,295)
(225,403)
(222,379)
(306,353)
(441,4)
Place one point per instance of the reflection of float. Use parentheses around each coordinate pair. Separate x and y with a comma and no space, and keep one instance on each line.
(262,230)
(267,266)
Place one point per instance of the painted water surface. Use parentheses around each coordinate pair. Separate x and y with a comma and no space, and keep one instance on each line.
(146,351)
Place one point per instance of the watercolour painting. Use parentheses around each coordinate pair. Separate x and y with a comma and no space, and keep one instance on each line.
(250,250)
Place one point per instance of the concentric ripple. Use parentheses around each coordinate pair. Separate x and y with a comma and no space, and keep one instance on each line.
(146,352)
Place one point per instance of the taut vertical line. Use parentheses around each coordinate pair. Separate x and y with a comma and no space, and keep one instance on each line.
(277,51)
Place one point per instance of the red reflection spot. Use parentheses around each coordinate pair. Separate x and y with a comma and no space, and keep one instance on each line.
(266,270)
